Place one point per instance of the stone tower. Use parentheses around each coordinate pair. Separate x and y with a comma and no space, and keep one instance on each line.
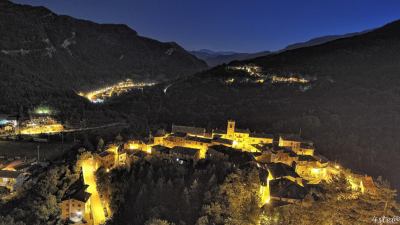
(230,130)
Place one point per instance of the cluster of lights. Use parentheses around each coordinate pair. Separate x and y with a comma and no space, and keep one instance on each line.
(99,95)
(277,79)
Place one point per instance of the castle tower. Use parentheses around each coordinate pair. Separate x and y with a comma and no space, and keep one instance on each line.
(230,130)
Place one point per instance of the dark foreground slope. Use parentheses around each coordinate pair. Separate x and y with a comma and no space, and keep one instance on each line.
(41,53)
(352,110)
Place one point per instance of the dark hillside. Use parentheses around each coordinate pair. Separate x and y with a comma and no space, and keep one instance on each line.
(352,110)
(41,52)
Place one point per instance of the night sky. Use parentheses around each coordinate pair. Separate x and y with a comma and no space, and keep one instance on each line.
(244,26)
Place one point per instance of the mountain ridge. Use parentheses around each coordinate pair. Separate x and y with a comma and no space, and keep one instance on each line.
(214,58)
(58,52)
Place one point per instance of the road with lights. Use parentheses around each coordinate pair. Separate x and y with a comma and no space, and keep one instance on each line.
(89,177)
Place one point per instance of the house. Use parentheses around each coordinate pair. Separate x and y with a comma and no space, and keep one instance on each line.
(369,185)
(159,136)
(235,156)
(287,191)
(11,179)
(283,171)
(306,148)
(113,156)
(221,141)
(187,141)
(292,141)
(160,150)
(75,204)
(283,155)
(265,194)
(106,159)
(185,153)
(311,168)
(242,138)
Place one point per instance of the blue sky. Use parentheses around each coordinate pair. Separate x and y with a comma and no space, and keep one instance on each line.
(243,26)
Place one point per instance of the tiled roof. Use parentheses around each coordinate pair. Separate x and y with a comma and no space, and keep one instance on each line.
(307,158)
(279,170)
(262,135)
(222,141)
(291,137)
(188,130)
(77,191)
(198,139)
(184,151)
(9,174)
(284,188)
(243,131)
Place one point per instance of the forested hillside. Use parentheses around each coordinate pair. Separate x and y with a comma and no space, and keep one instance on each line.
(45,54)
(351,110)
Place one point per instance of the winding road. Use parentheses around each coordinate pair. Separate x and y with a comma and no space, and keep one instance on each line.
(89,177)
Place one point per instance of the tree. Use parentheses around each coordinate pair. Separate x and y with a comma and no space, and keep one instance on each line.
(100,144)
(8,220)
(158,222)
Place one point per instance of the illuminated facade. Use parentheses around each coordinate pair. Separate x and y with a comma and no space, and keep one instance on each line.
(289,162)
(10,179)
(75,205)
(243,139)
(112,157)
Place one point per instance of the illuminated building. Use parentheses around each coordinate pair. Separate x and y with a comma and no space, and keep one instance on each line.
(284,155)
(285,190)
(11,179)
(243,139)
(289,163)
(112,157)
(265,193)
(75,204)
(297,144)
(311,168)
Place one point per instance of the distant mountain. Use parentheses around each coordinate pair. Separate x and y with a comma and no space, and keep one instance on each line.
(321,40)
(42,52)
(214,58)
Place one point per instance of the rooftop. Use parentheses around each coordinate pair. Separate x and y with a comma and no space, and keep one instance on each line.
(243,131)
(291,137)
(279,170)
(234,155)
(9,174)
(284,188)
(178,134)
(77,191)
(184,151)
(199,139)
(160,149)
(104,153)
(218,131)
(262,135)
(222,141)
(307,158)
(188,130)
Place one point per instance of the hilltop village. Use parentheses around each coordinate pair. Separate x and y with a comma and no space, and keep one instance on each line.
(288,166)
(255,74)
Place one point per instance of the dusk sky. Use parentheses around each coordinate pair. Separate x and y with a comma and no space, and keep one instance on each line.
(244,26)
